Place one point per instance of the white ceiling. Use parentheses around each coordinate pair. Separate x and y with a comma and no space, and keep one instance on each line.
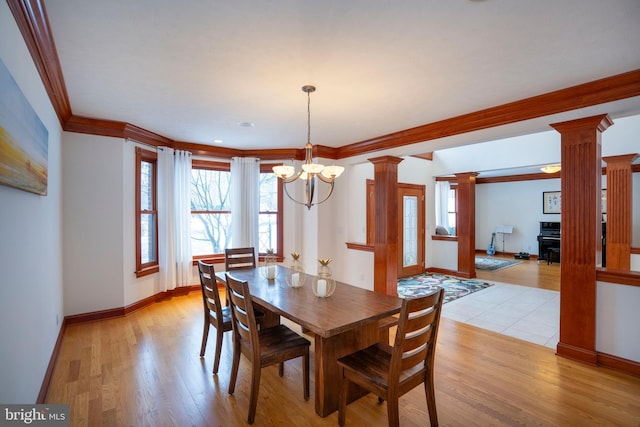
(193,70)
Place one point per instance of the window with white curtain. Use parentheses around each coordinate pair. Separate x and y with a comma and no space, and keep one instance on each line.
(268,230)
(211,209)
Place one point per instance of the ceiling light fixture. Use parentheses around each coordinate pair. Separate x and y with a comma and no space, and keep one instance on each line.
(551,168)
(310,171)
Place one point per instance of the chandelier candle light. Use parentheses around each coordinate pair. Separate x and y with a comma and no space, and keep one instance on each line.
(310,171)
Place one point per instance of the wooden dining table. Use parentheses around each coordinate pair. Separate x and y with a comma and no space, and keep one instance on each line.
(347,321)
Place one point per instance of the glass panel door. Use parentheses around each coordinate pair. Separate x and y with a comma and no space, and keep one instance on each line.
(410,229)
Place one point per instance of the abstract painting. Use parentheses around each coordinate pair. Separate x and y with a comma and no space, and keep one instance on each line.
(24,140)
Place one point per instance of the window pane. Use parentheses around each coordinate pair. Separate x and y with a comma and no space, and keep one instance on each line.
(452,224)
(148,238)
(410,232)
(210,190)
(146,186)
(268,192)
(451,206)
(210,233)
(268,233)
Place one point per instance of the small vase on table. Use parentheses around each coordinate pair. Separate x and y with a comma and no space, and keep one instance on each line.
(295,275)
(270,265)
(324,285)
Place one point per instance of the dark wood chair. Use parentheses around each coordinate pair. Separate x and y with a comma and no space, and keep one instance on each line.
(264,347)
(214,313)
(390,372)
(235,258)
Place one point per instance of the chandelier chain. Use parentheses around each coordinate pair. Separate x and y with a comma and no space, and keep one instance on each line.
(309,116)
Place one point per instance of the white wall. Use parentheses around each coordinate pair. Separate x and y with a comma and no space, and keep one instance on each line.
(93,222)
(31,304)
(618,318)
(512,203)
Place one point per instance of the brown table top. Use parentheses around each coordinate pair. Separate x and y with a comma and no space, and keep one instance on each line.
(348,308)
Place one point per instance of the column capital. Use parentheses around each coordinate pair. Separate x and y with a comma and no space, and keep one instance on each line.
(601,122)
(386,159)
(623,159)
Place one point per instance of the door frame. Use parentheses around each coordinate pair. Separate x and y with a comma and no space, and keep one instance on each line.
(403,188)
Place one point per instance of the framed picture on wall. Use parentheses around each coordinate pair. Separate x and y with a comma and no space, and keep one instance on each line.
(551,202)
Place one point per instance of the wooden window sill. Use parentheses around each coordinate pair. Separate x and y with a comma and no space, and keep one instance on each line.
(445,238)
(360,247)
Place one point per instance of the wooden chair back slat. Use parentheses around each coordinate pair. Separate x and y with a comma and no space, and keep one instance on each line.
(237,258)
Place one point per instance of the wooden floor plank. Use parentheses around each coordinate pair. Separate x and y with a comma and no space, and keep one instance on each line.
(145,369)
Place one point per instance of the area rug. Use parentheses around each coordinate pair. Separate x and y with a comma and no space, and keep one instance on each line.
(423,284)
(493,264)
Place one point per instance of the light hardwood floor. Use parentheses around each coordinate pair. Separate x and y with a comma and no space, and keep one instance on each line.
(528,273)
(144,370)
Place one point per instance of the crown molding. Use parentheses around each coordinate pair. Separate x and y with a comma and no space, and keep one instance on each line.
(31,18)
(608,89)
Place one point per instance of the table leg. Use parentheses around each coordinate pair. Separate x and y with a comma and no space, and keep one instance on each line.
(327,352)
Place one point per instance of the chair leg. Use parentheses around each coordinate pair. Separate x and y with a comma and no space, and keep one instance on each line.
(216,360)
(255,387)
(342,398)
(234,368)
(431,401)
(281,369)
(205,335)
(393,413)
(305,373)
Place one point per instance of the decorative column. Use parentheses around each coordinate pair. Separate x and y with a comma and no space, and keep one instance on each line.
(619,211)
(581,244)
(466,224)
(385,275)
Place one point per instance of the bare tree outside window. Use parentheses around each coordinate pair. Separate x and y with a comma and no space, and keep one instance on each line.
(210,211)
(268,220)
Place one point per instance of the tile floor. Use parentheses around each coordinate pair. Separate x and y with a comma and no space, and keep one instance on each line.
(529,314)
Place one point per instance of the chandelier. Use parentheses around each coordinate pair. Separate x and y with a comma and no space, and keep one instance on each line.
(551,168)
(310,172)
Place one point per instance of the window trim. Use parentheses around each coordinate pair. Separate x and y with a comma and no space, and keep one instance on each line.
(143,155)
(266,168)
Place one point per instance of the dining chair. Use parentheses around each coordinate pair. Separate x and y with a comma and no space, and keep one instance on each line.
(214,313)
(389,372)
(264,347)
(235,258)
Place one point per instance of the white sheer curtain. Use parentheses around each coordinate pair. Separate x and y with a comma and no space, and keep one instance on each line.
(245,202)
(182,203)
(174,218)
(442,203)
